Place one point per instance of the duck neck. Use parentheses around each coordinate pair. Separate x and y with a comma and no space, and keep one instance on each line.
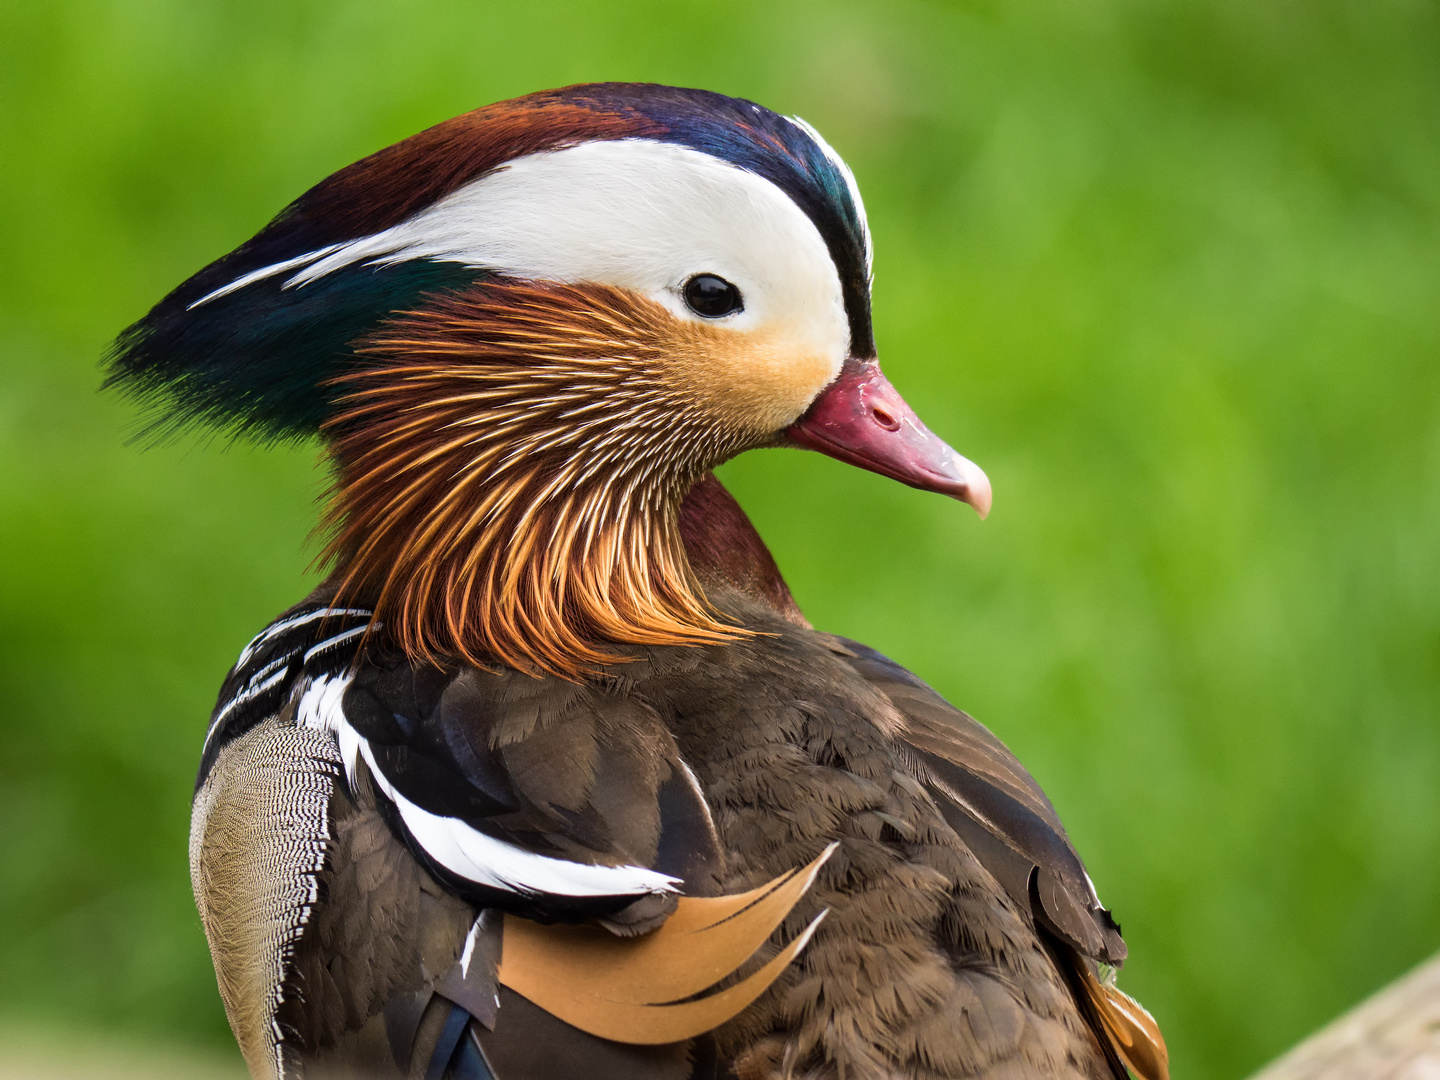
(724,549)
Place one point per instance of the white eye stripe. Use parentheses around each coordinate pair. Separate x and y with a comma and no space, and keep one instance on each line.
(263,273)
(633,213)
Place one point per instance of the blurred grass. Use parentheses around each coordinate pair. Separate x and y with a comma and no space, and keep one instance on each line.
(44,1052)
(1168,270)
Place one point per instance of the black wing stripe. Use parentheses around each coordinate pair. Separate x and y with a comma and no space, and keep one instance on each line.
(302,642)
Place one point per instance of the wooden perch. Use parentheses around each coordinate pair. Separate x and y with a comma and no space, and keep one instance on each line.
(1394,1035)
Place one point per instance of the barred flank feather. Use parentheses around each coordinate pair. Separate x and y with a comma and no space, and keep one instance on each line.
(258,839)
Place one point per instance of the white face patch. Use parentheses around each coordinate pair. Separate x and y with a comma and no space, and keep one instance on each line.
(636,214)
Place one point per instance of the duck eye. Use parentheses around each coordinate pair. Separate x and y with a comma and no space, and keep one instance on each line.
(712,296)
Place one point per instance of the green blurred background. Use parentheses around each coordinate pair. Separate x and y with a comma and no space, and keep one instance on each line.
(1168,270)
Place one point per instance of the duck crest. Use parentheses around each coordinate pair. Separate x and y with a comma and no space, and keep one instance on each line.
(251,342)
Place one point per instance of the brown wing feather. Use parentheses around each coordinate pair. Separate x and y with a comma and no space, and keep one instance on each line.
(996,807)
(634,990)
(1132,1030)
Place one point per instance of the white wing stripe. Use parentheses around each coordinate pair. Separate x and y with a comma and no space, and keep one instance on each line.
(319,706)
(249,694)
(464,851)
(336,640)
(469,951)
(290,624)
(487,861)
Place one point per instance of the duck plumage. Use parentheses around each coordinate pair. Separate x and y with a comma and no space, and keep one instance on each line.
(551,777)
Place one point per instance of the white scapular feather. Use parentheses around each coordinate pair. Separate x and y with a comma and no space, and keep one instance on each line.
(468,953)
(338,639)
(459,848)
(319,707)
(253,690)
(276,629)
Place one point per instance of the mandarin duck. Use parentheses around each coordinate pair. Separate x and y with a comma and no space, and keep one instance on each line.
(551,778)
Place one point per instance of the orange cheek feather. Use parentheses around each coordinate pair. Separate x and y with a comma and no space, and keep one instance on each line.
(754,382)
(511,462)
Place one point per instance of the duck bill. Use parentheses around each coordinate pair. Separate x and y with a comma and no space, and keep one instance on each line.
(862,420)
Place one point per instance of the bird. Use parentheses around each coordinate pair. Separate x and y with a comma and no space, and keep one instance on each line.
(551,777)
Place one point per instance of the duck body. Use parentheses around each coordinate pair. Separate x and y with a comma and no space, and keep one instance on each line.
(552,778)
(720,766)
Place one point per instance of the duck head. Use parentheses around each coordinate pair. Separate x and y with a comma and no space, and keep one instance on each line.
(525,333)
